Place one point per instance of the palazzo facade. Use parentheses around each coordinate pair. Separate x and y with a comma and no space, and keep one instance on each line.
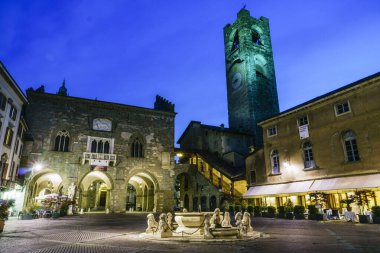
(102,155)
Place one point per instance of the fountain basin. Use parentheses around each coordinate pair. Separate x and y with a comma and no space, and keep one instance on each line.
(190,223)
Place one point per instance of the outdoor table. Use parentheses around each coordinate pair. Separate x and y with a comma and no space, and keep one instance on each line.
(369,213)
(350,216)
(328,213)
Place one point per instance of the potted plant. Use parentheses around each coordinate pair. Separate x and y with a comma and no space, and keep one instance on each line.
(362,199)
(281,212)
(348,201)
(299,212)
(250,210)
(257,211)
(289,208)
(313,211)
(271,211)
(376,214)
(4,213)
(244,205)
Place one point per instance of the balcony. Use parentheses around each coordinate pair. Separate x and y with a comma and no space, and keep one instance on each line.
(99,159)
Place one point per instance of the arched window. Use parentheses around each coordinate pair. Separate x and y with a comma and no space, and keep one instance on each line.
(62,141)
(235,44)
(308,155)
(107,147)
(350,147)
(94,146)
(256,38)
(275,160)
(137,148)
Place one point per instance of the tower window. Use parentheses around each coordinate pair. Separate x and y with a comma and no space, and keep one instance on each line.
(235,44)
(351,147)
(62,141)
(256,38)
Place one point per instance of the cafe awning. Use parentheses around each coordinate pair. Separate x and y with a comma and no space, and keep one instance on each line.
(340,183)
(318,185)
(275,189)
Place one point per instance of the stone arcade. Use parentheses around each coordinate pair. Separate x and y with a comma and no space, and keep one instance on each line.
(104,155)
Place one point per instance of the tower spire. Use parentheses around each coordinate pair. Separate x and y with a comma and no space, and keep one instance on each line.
(62,90)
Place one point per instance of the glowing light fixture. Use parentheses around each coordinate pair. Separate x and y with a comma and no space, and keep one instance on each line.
(38,167)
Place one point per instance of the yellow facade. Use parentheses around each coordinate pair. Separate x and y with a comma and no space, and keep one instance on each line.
(335,136)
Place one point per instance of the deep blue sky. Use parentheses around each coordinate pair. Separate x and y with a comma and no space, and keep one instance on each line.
(128,51)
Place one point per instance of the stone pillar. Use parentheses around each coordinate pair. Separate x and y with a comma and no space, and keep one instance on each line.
(108,198)
(84,199)
(97,195)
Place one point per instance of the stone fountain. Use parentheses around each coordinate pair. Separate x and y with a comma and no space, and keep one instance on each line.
(202,225)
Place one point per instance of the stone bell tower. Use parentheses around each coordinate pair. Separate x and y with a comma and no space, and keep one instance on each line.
(251,83)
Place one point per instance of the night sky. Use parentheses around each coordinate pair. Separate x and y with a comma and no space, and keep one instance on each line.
(128,51)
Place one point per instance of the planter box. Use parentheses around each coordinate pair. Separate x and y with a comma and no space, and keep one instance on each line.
(321,216)
(27,217)
(281,215)
(55,215)
(312,216)
(300,216)
(289,216)
(364,218)
(376,219)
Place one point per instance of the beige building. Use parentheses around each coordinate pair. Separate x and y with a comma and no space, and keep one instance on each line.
(12,129)
(328,145)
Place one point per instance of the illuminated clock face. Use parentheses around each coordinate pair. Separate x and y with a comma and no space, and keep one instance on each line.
(102,124)
(236,81)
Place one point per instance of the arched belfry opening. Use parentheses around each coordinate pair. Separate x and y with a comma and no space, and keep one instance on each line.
(141,193)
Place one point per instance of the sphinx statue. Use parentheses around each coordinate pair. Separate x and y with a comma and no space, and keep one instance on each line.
(246,226)
(226,223)
(152,224)
(216,219)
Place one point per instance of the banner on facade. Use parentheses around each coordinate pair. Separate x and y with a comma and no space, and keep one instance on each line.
(99,168)
(304,131)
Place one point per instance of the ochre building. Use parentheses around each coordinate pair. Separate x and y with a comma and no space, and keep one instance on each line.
(328,145)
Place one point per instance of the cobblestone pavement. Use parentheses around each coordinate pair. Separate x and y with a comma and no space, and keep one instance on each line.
(95,233)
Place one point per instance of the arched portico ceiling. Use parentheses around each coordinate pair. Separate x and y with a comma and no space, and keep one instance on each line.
(54,178)
(93,176)
(142,179)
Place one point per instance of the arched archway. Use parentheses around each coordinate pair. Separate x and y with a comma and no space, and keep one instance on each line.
(186,202)
(95,191)
(43,183)
(142,192)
